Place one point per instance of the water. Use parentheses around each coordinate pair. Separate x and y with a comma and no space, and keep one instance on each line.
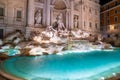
(10,52)
(73,66)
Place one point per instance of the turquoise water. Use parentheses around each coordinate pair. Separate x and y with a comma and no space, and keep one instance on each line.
(10,52)
(72,66)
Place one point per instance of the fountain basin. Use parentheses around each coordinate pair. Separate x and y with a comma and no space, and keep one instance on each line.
(73,65)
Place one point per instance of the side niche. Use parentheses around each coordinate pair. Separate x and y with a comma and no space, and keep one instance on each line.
(38,16)
(76,22)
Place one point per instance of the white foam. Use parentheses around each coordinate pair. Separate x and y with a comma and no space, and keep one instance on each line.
(6,47)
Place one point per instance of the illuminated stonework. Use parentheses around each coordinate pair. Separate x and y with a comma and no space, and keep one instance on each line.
(76,14)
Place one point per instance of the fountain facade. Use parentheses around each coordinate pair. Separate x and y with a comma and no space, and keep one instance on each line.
(28,14)
(54,22)
(69,14)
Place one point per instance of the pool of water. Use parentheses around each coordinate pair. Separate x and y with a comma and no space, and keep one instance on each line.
(72,66)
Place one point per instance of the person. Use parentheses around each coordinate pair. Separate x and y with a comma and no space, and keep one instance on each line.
(38,17)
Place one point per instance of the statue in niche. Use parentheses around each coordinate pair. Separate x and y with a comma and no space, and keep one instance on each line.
(60,23)
(76,22)
(38,17)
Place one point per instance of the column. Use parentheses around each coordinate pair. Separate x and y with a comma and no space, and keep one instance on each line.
(31,13)
(67,18)
(51,14)
(72,13)
(44,14)
(48,13)
(30,18)
(80,15)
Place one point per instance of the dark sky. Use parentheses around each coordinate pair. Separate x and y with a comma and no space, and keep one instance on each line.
(104,1)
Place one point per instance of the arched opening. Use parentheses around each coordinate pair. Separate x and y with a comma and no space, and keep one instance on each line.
(59,13)
(60,5)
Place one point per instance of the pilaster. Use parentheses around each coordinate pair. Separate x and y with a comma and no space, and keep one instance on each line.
(72,13)
(68,18)
(48,13)
(81,22)
(31,13)
(51,14)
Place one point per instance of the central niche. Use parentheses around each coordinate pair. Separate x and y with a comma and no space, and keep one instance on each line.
(59,13)
(60,5)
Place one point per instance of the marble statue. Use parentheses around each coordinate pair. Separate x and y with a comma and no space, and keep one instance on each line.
(50,28)
(76,22)
(60,23)
(38,17)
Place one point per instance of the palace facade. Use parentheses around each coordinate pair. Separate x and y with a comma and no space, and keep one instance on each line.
(24,15)
(110,18)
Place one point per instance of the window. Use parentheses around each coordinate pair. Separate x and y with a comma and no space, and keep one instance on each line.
(90,24)
(84,24)
(116,27)
(108,21)
(108,14)
(96,25)
(108,7)
(19,15)
(1,13)
(116,3)
(116,11)
(116,19)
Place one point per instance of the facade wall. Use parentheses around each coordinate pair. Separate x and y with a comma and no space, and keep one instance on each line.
(9,22)
(109,13)
(75,14)
(91,16)
(86,12)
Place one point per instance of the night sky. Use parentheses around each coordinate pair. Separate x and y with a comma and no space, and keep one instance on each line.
(104,1)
